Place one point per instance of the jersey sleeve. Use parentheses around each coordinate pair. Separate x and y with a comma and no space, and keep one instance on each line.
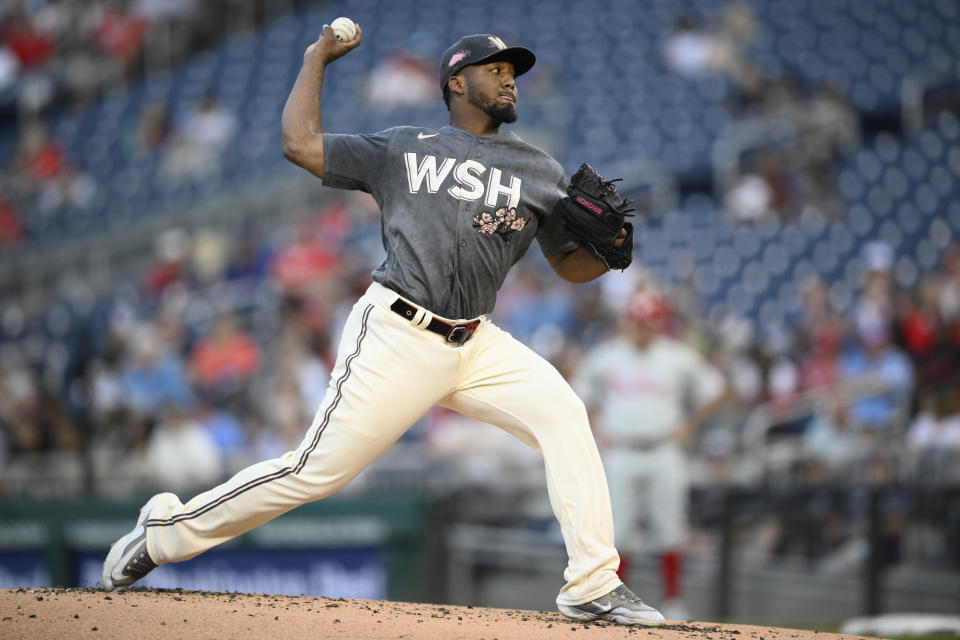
(355,161)
(552,236)
(704,381)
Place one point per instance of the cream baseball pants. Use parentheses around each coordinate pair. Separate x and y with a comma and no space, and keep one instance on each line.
(389,372)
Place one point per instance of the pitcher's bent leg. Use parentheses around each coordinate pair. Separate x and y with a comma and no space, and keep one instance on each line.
(510,386)
(382,383)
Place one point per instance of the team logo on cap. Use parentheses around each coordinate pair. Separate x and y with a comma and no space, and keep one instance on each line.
(458,56)
(497,42)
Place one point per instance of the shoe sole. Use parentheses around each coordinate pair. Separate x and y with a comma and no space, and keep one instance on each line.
(634,621)
(609,617)
(115,555)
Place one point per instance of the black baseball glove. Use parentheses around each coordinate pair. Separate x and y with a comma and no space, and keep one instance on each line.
(594,212)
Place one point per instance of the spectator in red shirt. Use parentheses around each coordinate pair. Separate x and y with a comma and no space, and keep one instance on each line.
(820,368)
(11,229)
(41,158)
(307,266)
(31,47)
(225,361)
(926,336)
(120,34)
(172,251)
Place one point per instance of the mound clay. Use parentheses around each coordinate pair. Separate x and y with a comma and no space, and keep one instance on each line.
(144,614)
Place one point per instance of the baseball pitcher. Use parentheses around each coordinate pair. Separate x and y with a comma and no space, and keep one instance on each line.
(460,205)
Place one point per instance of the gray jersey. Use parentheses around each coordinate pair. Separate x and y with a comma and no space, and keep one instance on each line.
(458,209)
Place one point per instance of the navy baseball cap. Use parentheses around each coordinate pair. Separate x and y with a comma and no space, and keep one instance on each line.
(479,48)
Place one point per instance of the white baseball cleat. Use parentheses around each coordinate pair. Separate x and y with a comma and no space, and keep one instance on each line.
(128,560)
(620,605)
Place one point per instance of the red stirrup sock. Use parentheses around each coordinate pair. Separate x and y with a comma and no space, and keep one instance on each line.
(671,564)
(624,571)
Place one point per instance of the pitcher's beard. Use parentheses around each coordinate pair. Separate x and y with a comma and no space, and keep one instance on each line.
(502,112)
(499,112)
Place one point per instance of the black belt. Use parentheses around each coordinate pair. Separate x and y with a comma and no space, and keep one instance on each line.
(455,333)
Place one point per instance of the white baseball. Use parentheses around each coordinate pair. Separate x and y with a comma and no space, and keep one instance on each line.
(344,29)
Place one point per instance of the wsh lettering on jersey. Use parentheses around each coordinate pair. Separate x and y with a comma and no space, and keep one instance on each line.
(469,182)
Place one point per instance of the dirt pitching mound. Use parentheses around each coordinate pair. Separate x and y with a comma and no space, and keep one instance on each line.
(145,614)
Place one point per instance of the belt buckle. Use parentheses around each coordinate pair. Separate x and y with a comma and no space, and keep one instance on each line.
(460,333)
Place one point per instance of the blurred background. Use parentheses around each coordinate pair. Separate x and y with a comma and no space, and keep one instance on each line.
(172,290)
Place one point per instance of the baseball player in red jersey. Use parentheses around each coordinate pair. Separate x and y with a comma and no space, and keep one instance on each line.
(647,393)
(460,205)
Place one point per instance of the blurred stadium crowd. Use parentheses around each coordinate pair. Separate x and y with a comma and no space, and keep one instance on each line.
(819,271)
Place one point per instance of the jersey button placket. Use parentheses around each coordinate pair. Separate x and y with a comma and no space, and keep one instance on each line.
(466,207)
(462,242)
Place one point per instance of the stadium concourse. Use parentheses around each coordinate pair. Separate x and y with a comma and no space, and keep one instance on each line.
(168,283)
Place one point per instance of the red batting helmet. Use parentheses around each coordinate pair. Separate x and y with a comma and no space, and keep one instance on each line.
(649,308)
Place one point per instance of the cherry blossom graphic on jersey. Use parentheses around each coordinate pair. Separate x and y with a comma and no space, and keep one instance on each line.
(501,222)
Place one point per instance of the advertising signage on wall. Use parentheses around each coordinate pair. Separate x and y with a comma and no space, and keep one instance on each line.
(23,569)
(341,573)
